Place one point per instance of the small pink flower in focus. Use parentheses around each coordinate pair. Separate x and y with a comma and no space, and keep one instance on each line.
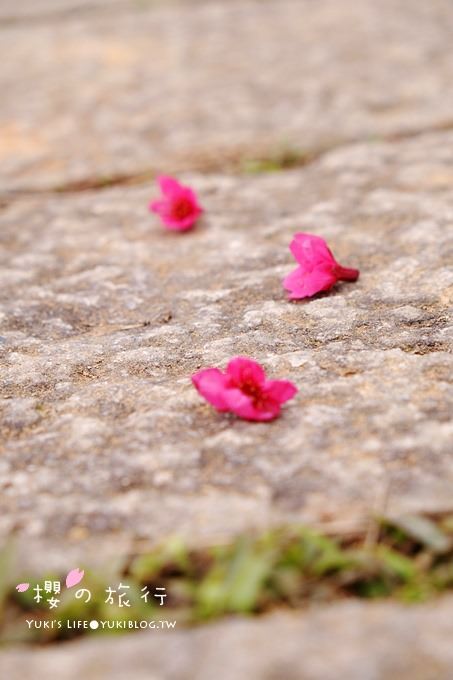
(317,271)
(243,389)
(74,577)
(179,208)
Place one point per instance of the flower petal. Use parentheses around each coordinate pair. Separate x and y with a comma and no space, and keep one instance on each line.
(310,250)
(280,390)
(174,224)
(157,207)
(192,197)
(74,577)
(22,587)
(302,284)
(169,185)
(243,369)
(212,384)
(243,406)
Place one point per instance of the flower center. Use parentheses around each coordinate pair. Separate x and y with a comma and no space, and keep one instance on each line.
(181,208)
(252,390)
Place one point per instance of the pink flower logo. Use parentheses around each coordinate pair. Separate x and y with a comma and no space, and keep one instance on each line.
(244,390)
(74,577)
(317,271)
(179,208)
(22,587)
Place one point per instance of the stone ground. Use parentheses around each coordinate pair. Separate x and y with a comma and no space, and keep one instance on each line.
(105,446)
(345,640)
(121,87)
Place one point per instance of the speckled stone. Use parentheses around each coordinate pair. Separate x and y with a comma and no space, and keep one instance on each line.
(98,90)
(354,640)
(104,316)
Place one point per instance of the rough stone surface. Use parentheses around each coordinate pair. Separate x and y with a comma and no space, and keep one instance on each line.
(347,640)
(105,316)
(163,85)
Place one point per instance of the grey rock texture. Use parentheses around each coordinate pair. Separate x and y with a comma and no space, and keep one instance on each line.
(346,640)
(144,87)
(105,316)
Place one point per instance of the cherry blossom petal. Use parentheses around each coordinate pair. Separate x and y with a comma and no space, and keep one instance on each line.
(74,577)
(169,185)
(310,250)
(242,369)
(157,206)
(244,407)
(22,587)
(212,385)
(302,284)
(280,390)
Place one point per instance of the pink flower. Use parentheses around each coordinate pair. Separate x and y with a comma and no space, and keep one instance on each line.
(179,208)
(318,270)
(244,390)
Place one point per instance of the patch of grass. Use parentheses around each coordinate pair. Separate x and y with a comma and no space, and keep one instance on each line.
(411,559)
(283,159)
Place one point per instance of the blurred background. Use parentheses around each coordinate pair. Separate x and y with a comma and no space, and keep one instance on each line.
(101,91)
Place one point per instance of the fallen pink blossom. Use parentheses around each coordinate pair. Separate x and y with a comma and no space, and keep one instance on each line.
(317,271)
(178,208)
(243,389)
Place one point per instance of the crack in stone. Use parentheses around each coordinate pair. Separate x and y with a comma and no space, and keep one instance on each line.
(234,162)
(82,10)
(64,13)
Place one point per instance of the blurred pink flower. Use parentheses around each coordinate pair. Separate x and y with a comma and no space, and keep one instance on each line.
(317,271)
(179,208)
(244,390)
